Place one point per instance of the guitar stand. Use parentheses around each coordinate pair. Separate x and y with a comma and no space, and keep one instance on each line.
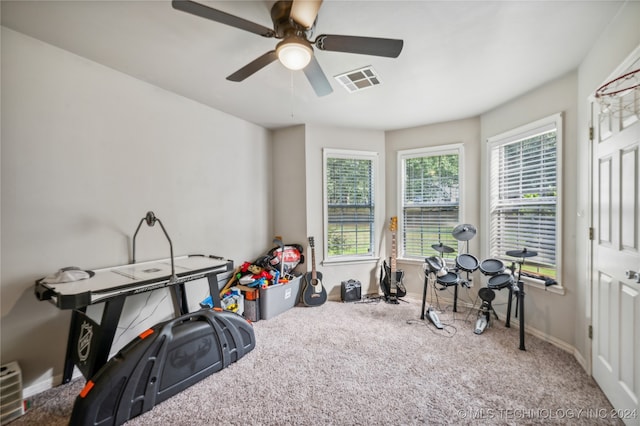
(391,299)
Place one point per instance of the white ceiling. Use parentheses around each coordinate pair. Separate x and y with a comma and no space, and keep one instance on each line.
(460,58)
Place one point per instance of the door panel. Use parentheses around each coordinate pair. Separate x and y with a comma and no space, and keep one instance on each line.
(616,250)
(602,317)
(629,202)
(604,230)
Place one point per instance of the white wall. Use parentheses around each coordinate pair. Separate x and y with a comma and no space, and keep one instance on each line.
(466,132)
(86,152)
(549,313)
(289,186)
(319,137)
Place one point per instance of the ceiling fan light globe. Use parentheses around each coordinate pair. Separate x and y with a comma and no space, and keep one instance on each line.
(294,54)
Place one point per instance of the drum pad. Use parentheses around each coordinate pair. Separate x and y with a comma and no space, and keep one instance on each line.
(486,294)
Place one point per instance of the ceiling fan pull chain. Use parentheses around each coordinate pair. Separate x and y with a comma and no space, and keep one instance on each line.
(291,99)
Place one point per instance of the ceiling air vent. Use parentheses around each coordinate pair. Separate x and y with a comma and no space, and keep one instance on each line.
(358,79)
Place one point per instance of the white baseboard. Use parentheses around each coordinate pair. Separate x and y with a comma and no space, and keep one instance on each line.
(533,331)
(549,339)
(46,384)
(40,387)
(582,361)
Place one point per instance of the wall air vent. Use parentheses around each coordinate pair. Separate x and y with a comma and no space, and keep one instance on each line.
(358,79)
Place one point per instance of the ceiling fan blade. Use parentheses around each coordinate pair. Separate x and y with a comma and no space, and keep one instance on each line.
(221,17)
(387,47)
(304,12)
(317,78)
(254,66)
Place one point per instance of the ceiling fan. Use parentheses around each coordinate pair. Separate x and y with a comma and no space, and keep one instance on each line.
(293,24)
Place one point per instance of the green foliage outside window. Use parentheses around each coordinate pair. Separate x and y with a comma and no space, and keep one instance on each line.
(431,201)
(349,186)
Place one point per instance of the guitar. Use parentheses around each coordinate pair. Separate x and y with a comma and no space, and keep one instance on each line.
(391,281)
(314,293)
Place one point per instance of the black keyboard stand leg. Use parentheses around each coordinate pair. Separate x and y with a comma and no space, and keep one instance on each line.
(455,298)
(424,295)
(108,325)
(72,343)
(521,304)
(508,320)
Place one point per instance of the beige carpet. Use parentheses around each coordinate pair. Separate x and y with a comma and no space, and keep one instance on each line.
(374,364)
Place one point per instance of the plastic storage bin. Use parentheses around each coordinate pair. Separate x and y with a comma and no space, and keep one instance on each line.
(278,298)
(11,404)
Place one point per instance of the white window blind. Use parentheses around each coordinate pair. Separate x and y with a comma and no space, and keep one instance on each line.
(430,200)
(524,183)
(349,203)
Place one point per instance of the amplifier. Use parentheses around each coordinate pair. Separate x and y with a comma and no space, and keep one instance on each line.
(351,291)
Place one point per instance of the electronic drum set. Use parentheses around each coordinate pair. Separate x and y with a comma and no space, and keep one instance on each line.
(499,277)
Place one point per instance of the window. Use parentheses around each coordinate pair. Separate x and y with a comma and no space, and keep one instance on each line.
(430,199)
(349,183)
(524,185)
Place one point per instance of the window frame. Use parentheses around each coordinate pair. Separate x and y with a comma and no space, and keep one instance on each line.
(430,151)
(351,155)
(520,133)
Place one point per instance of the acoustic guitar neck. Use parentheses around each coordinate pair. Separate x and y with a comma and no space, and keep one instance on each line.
(314,273)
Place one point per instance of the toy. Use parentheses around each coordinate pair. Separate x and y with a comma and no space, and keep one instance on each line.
(253,276)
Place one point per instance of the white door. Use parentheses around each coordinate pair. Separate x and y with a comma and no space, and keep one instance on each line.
(616,250)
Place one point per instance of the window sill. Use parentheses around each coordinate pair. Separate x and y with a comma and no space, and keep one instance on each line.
(539,284)
(349,261)
(416,262)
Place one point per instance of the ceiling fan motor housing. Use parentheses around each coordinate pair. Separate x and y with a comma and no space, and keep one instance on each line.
(283,24)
